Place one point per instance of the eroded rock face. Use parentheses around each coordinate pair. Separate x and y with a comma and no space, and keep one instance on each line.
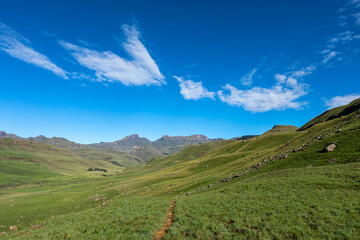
(330,147)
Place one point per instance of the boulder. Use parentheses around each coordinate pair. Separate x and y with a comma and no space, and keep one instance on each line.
(319,137)
(330,147)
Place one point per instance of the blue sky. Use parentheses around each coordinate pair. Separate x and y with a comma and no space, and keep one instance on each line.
(95,71)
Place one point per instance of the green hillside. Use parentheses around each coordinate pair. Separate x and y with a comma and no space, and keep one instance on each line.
(338,112)
(284,184)
(23,161)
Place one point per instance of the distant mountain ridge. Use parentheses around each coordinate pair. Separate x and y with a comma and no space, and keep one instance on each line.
(146,149)
(59,142)
(9,135)
(132,144)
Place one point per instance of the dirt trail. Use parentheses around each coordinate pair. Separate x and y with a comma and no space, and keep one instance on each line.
(168,222)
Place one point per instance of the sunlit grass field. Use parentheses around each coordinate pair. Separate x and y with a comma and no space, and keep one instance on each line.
(321,203)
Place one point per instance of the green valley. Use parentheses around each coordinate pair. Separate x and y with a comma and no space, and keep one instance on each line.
(288,183)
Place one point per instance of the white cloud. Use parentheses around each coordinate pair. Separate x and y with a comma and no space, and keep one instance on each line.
(247,79)
(109,67)
(349,12)
(343,37)
(328,56)
(18,47)
(337,45)
(340,100)
(280,78)
(288,88)
(303,71)
(136,49)
(281,96)
(356,3)
(357,18)
(191,90)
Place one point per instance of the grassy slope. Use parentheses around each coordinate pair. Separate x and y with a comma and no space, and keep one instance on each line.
(321,202)
(113,157)
(333,113)
(135,218)
(39,180)
(254,205)
(24,161)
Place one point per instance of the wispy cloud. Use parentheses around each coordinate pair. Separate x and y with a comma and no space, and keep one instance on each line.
(247,79)
(350,13)
(356,3)
(343,38)
(141,69)
(283,95)
(19,47)
(340,100)
(338,45)
(357,18)
(328,55)
(302,72)
(191,90)
(289,86)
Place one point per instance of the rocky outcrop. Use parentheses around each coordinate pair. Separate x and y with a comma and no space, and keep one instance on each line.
(282,128)
(330,147)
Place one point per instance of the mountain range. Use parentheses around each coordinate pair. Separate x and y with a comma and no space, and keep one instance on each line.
(133,144)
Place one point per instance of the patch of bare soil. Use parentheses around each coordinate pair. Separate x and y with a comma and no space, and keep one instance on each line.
(168,222)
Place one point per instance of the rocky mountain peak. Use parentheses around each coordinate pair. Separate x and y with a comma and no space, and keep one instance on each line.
(165,137)
(133,139)
(132,136)
(41,138)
